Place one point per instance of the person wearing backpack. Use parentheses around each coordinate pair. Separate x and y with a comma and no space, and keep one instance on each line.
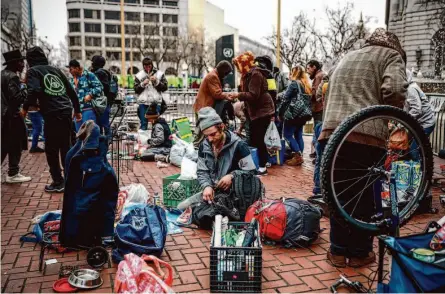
(87,87)
(14,138)
(105,77)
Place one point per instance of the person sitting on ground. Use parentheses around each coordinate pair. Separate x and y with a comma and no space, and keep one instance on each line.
(160,142)
(219,155)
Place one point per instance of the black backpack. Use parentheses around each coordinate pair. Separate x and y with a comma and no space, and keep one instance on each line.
(246,189)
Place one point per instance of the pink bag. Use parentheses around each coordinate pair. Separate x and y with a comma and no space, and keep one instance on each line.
(135,276)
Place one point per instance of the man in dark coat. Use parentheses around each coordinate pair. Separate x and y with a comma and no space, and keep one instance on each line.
(50,89)
(14,138)
(97,68)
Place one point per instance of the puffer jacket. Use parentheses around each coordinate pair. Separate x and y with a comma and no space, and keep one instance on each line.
(91,191)
(258,101)
(417,104)
(235,155)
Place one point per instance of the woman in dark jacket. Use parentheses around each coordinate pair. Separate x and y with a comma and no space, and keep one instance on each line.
(258,102)
(293,129)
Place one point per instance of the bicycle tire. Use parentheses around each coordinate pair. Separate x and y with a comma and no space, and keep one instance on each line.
(337,137)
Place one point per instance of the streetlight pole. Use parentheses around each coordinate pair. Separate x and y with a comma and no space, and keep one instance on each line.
(279,34)
(123,41)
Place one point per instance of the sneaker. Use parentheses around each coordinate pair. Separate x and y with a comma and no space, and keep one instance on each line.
(36,150)
(18,178)
(261,172)
(356,262)
(336,260)
(55,188)
(268,164)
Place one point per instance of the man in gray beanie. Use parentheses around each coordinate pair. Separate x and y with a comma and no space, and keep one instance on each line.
(220,154)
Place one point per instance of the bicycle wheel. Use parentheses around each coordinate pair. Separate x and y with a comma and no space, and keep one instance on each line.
(346,176)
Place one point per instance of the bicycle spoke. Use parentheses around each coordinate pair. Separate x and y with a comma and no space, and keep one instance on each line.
(349,169)
(361,194)
(355,196)
(353,184)
(351,161)
(347,180)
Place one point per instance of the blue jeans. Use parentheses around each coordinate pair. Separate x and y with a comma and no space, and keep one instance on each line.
(86,115)
(37,127)
(104,122)
(319,148)
(141,112)
(296,142)
(414,153)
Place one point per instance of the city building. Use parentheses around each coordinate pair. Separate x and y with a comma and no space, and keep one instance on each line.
(94,27)
(421,33)
(17,18)
(257,48)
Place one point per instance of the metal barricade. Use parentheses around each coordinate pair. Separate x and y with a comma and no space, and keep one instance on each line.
(180,104)
(438,136)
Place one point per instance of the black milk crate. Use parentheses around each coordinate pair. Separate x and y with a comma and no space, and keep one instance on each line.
(236,269)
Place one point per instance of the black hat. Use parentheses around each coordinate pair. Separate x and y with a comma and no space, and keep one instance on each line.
(11,56)
(73,63)
(98,61)
(266,61)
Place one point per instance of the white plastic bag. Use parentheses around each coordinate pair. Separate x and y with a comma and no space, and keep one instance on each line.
(191,153)
(272,138)
(182,149)
(176,154)
(143,137)
(189,169)
(136,194)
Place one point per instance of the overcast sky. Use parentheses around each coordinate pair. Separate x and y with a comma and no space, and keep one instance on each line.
(254,18)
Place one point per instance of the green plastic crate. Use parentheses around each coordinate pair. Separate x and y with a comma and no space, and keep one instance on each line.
(175,190)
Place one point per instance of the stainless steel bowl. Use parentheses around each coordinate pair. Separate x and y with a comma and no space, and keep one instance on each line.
(85,279)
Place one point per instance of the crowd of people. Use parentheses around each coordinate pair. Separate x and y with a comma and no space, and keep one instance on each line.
(375,74)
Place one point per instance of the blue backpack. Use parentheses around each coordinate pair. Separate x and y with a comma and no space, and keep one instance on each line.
(142,231)
(37,230)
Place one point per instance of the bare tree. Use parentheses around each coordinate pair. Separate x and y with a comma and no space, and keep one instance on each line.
(295,43)
(341,32)
(155,46)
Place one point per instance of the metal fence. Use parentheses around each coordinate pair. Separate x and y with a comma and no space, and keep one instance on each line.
(438,136)
(180,104)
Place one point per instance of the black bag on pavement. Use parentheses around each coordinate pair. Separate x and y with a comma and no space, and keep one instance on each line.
(246,189)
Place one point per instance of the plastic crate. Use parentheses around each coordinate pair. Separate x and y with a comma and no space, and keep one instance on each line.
(175,190)
(236,269)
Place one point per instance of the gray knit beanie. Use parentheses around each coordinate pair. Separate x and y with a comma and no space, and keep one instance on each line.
(207,117)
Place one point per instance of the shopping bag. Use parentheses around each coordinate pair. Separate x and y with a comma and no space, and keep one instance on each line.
(272,138)
(398,140)
(135,276)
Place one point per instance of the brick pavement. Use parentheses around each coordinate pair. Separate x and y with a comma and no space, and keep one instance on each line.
(284,270)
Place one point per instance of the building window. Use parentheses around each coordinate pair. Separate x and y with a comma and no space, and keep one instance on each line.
(74,27)
(169,43)
(113,42)
(170,18)
(151,2)
(93,41)
(75,41)
(170,3)
(129,29)
(75,54)
(131,1)
(73,13)
(136,56)
(90,53)
(116,15)
(113,1)
(136,43)
(151,30)
(171,32)
(113,55)
(151,17)
(93,14)
(113,29)
(93,27)
(132,16)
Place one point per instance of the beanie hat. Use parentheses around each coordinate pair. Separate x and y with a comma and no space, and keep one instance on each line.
(244,62)
(98,61)
(154,109)
(207,117)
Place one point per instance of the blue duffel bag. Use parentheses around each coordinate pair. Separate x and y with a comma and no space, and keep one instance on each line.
(142,231)
(36,235)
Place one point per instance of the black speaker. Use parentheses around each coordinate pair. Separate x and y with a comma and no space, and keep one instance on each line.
(225,51)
